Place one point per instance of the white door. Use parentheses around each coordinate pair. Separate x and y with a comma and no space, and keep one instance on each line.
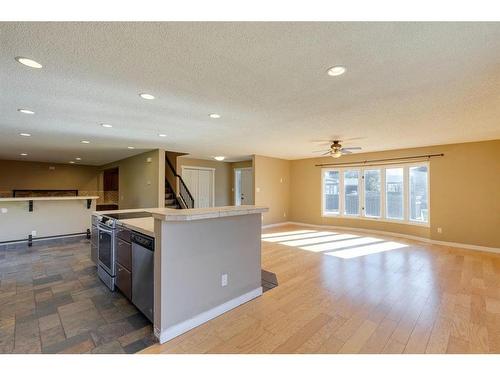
(204,188)
(243,186)
(200,183)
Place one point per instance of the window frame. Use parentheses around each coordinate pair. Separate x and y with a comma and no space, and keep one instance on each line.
(361,192)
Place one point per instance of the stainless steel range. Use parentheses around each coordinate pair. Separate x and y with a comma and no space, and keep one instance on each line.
(107,225)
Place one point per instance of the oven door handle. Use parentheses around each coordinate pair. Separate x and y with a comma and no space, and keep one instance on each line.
(110,231)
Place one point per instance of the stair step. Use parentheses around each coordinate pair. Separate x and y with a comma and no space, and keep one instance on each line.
(175,207)
(169,201)
(168,195)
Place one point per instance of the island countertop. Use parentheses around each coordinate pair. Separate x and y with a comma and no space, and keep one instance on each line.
(24,199)
(169,214)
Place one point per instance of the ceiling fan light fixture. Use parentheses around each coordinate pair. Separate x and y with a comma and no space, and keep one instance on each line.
(336,154)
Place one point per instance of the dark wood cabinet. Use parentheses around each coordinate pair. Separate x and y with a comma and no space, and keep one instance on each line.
(123,234)
(110,179)
(124,253)
(123,261)
(123,280)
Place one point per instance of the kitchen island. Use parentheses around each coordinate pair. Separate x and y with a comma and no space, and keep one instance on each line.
(207,261)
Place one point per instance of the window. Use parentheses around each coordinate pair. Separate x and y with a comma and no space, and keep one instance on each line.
(394,192)
(418,193)
(331,185)
(351,192)
(394,196)
(372,192)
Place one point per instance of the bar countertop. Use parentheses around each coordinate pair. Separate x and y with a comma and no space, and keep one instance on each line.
(168,214)
(24,199)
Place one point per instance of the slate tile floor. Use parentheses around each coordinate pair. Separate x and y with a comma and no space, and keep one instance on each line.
(51,301)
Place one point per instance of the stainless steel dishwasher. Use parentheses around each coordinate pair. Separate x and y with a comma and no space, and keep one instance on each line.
(143,273)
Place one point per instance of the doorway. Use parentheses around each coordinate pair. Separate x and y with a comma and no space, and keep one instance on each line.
(201,183)
(243,186)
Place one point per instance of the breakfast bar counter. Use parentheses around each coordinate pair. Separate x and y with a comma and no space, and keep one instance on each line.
(32,218)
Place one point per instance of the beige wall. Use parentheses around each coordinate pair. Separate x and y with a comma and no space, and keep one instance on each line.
(222,176)
(36,175)
(464,193)
(140,181)
(272,187)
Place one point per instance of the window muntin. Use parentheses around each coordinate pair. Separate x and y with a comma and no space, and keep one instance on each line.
(351,192)
(418,193)
(394,193)
(372,182)
(331,192)
(402,192)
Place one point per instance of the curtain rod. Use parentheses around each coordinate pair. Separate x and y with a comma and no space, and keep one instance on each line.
(364,162)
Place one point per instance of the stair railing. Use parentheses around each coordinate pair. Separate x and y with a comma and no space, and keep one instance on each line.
(183,192)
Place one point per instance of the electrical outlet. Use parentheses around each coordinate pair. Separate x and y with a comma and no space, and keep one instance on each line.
(257,189)
(4,210)
(284,213)
(33,233)
(281,180)
(440,230)
(223,279)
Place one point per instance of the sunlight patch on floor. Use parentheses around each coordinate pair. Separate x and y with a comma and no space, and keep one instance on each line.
(344,246)
(340,244)
(276,234)
(366,250)
(315,240)
(297,236)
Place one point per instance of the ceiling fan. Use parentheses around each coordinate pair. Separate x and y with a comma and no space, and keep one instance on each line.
(336,150)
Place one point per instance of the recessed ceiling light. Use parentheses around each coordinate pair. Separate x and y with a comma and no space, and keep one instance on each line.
(78,158)
(72,162)
(25,134)
(24,154)
(130,147)
(219,158)
(162,135)
(86,142)
(28,62)
(146,96)
(336,70)
(106,125)
(214,115)
(26,111)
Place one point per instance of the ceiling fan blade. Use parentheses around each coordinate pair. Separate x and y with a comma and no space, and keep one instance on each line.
(321,150)
(351,148)
(345,152)
(326,153)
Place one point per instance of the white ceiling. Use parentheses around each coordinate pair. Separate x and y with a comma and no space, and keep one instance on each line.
(406,85)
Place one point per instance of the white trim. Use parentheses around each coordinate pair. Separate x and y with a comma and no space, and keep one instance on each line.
(393,234)
(182,327)
(361,193)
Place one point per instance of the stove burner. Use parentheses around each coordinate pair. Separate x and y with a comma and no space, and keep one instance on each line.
(128,215)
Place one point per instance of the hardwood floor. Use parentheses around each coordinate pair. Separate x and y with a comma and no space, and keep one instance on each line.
(354,293)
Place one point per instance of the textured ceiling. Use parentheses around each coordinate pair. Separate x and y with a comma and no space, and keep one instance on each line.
(406,85)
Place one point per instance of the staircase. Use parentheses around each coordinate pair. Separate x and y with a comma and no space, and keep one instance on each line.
(170,198)
(181,199)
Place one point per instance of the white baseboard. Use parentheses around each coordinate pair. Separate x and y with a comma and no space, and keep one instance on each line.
(395,234)
(180,328)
